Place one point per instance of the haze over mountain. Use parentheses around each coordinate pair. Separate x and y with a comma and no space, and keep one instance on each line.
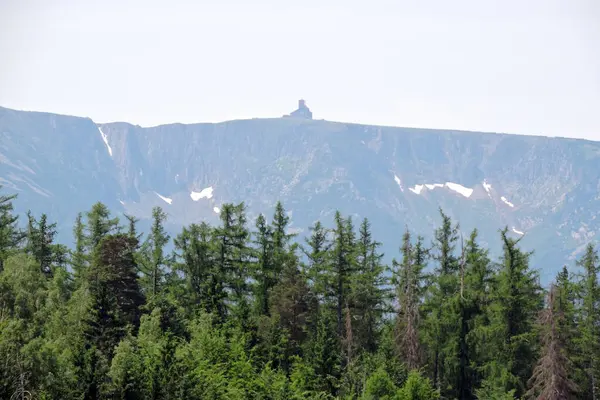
(546,190)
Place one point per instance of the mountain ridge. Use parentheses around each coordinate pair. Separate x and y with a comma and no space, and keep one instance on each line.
(395,176)
(424,129)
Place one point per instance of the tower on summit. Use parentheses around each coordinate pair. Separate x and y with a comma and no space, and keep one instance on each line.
(302,112)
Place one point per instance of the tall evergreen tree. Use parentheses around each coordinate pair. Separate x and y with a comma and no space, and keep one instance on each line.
(317,254)
(152,258)
(290,301)
(340,269)
(10,235)
(195,257)
(281,238)
(473,298)
(265,270)
(132,226)
(78,255)
(40,242)
(367,294)
(441,313)
(114,285)
(316,271)
(589,324)
(517,300)
(99,225)
(232,255)
(550,380)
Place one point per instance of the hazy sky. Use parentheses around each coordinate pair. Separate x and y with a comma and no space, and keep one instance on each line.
(521,66)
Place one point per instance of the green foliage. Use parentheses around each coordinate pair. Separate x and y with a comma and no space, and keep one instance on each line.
(151,258)
(231,314)
(588,340)
(417,387)
(380,386)
(10,235)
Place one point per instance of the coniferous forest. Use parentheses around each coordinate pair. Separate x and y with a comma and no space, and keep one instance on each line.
(244,310)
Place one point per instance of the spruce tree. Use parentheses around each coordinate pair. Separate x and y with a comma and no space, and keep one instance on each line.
(132,226)
(290,301)
(316,269)
(589,322)
(40,242)
(99,225)
(265,270)
(474,298)
(341,266)
(281,238)
(367,294)
(317,251)
(195,259)
(10,235)
(441,334)
(114,286)
(232,255)
(517,301)
(152,259)
(550,380)
(79,260)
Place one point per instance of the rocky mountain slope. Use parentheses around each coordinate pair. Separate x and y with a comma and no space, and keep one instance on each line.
(544,189)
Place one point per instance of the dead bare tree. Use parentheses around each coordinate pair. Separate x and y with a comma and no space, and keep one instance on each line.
(20,382)
(407,334)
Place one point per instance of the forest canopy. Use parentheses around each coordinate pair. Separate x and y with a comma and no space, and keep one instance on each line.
(246,310)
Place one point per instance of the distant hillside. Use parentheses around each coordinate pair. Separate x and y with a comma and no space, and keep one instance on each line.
(547,189)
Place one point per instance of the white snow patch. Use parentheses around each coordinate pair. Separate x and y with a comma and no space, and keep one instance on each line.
(217,210)
(465,191)
(517,231)
(399,182)
(506,201)
(105,139)
(487,186)
(204,193)
(417,189)
(166,199)
(432,186)
(459,189)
